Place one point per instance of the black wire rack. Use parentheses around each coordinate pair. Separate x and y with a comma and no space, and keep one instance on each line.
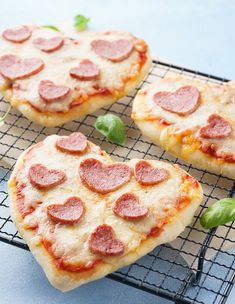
(199,266)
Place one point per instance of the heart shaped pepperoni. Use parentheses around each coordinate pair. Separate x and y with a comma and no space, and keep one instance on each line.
(17,35)
(49,45)
(115,51)
(103,241)
(13,67)
(184,101)
(69,213)
(50,92)
(75,143)
(147,175)
(216,128)
(103,178)
(87,70)
(43,178)
(128,207)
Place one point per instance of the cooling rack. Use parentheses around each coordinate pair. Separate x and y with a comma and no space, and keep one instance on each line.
(199,266)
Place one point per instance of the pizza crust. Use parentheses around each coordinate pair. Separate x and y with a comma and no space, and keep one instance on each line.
(65,280)
(148,123)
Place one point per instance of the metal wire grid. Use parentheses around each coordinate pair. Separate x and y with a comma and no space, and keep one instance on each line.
(198,267)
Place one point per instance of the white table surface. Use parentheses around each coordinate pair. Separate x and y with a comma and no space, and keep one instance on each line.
(196,34)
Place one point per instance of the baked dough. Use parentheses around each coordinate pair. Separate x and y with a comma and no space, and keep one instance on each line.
(183,135)
(171,204)
(115,79)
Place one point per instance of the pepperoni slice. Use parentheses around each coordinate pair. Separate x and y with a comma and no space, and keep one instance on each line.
(103,178)
(184,101)
(216,128)
(128,207)
(87,70)
(115,51)
(43,178)
(69,213)
(50,92)
(49,45)
(17,35)
(103,241)
(13,67)
(76,143)
(147,175)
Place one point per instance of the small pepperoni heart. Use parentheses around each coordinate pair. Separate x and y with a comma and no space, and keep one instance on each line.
(103,241)
(13,67)
(128,207)
(87,70)
(184,101)
(147,175)
(17,35)
(115,51)
(75,143)
(103,178)
(69,213)
(49,45)
(216,128)
(50,92)
(43,179)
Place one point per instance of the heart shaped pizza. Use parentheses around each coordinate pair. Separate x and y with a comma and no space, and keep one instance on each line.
(191,119)
(65,78)
(84,215)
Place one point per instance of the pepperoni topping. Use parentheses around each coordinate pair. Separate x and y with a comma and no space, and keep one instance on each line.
(43,178)
(115,51)
(216,128)
(50,92)
(13,67)
(17,35)
(128,207)
(69,213)
(76,143)
(87,70)
(103,241)
(49,45)
(184,101)
(147,175)
(103,178)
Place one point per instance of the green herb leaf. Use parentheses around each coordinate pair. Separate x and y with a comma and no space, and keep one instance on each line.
(2,118)
(80,22)
(220,213)
(52,27)
(112,127)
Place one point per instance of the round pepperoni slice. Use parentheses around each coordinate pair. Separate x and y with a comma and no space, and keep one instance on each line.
(69,213)
(43,179)
(216,128)
(184,101)
(103,241)
(147,175)
(49,45)
(13,67)
(128,207)
(115,51)
(103,178)
(17,35)
(87,70)
(50,92)
(76,143)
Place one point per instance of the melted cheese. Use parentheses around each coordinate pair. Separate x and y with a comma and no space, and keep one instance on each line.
(59,63)
(214,99)
(71,241)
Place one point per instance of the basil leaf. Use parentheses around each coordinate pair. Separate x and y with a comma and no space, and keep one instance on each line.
(112,127)
(220,213)
(80,22)
(2,118)
(52,27)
